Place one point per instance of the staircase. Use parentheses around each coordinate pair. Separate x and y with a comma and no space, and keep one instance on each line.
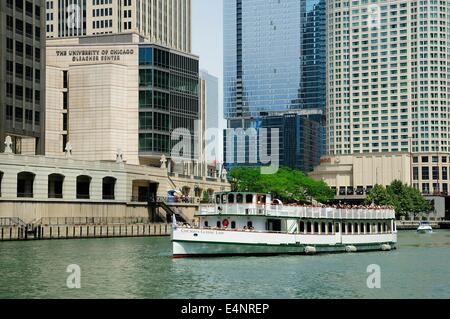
(12,221)
(170,210)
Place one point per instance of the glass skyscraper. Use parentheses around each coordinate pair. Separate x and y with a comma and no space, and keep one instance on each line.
(168,97)
(275,63)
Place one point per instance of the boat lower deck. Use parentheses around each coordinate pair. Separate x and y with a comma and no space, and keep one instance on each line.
(200,242)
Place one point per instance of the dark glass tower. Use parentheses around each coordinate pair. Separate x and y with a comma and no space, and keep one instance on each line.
(275,65)
(168,98)
(22,75)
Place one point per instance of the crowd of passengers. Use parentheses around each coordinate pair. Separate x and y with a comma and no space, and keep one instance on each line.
(345,206)
(261,200)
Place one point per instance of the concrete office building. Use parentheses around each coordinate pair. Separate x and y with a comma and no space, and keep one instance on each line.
(164,22)
(388,81)
(274,61)
(115,94)
(22,75)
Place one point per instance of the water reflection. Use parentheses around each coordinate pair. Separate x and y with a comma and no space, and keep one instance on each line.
(143,268)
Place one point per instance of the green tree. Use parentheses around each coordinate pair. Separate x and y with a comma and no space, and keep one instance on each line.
(405,199)
(286,184)
(378,196)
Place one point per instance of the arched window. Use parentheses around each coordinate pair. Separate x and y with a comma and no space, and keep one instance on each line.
(379,228)
(349,228)
(308,227)
(356,230)
(230,198)
(361,228)
(84,187)
(233,225)
(25,184)
(344,228)
(55,186)
(250,224)
(323,227)
(330,228)
(109,188)
(368,229)
(239,198)
(219,224)
(249,199)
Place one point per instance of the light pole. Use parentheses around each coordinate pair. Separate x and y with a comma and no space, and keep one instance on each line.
(411,178)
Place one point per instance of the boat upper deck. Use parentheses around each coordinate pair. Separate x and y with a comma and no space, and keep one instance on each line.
(238,204)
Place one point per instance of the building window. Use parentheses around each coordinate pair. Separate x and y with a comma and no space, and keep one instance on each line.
(415,173)
(435,173)
(25,184)
(55,186)
(425,173)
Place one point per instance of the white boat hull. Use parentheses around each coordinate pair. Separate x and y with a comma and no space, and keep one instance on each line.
(189,242)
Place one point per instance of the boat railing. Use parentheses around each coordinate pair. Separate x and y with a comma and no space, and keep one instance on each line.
(296,211)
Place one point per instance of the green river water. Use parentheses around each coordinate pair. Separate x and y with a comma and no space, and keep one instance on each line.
(143,268)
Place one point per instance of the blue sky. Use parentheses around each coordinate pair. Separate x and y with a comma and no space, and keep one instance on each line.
(207,38)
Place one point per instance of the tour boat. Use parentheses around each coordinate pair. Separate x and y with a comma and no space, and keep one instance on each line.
(424,228)
(254,224)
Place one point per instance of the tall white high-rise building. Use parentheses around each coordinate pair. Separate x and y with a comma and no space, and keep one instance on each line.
(165,22)
(388,81)
(209,99)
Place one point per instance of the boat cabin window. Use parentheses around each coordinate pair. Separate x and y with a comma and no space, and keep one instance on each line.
(368,230)
(323,228)
(274,225)
(239,198)
(233,225)
(250,224)
(330,228)
(349,228)
(249,198)
(336,227)
(206,223)
(344,228)
(219,224)
(230,198)
(302,227)
(316,228)
(308,227)
(224,199)
(361,228)
(356,230)
(379,228)
(217,199)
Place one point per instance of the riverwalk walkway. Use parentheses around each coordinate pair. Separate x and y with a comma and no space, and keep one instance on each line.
(46,232)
